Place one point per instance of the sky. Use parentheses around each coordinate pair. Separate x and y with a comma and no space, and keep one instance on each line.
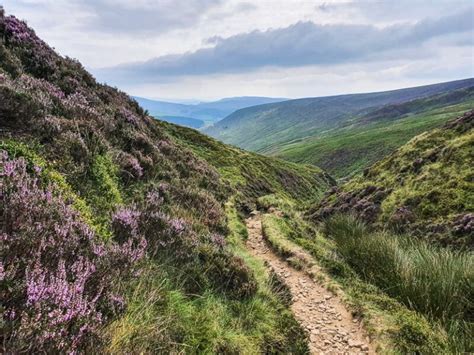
(209,49)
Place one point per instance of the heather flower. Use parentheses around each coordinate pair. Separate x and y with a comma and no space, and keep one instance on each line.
(37,169)
(217,240)
(125,223)
(77,104)
(19,31)
(154,199)
(60,276)
(129,116)
(2,271)
(130,166)
(177,225)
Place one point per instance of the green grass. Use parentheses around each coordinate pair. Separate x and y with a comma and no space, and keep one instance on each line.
(348,150)
(435,193)
(437,283)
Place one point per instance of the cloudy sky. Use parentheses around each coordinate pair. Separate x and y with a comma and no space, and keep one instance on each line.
(209,49)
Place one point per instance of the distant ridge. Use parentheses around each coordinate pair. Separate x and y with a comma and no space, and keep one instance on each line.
(204,111)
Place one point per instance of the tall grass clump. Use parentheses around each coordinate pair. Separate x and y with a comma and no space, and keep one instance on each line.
(438,283)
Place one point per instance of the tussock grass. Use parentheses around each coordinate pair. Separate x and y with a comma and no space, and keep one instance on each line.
(438,283)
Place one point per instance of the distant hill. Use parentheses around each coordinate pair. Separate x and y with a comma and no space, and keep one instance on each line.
(425,187)
(205,111)
(183,121)
(360,142)
(326,130)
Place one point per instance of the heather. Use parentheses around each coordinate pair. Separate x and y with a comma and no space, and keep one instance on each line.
(121,233)
(56,276)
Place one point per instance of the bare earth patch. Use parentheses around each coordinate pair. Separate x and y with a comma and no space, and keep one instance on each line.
(331,327)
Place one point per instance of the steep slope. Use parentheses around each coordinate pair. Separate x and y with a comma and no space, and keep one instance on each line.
(207,111)
(426,187)
(115,236)
(255,175)
(324,130)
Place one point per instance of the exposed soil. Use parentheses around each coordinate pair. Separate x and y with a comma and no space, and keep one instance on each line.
(331,327)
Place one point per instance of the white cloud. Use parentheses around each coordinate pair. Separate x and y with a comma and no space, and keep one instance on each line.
(88,30)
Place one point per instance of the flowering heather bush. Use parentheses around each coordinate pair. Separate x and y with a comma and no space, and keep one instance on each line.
(130,166)
(76,104)
(164,234)
(19,31)
(30,84)
(37,55)
(56,278)
(128,116)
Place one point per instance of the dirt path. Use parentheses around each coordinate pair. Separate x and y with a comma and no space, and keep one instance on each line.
(331,328)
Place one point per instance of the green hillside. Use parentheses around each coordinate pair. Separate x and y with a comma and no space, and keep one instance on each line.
(349,149)
(424,188)
(343,134)
(123,234)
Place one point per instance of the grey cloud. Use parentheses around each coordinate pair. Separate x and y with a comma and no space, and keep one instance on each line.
(393,11)
(120,17)
(144,17)
(301,44)
(245,7)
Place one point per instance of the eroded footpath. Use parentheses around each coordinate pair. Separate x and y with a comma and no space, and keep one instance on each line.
(331,327)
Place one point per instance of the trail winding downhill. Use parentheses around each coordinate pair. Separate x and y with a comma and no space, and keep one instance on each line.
(331,327)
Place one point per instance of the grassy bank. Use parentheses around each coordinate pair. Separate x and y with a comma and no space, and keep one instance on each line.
(438,283)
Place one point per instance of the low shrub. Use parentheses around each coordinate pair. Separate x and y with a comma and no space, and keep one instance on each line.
(56,277)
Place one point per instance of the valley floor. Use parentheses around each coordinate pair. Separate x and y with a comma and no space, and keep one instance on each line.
(331,327)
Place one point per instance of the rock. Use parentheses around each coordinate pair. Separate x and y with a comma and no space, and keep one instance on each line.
(355,344)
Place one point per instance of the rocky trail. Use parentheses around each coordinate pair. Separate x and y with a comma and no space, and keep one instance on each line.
(331,327)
